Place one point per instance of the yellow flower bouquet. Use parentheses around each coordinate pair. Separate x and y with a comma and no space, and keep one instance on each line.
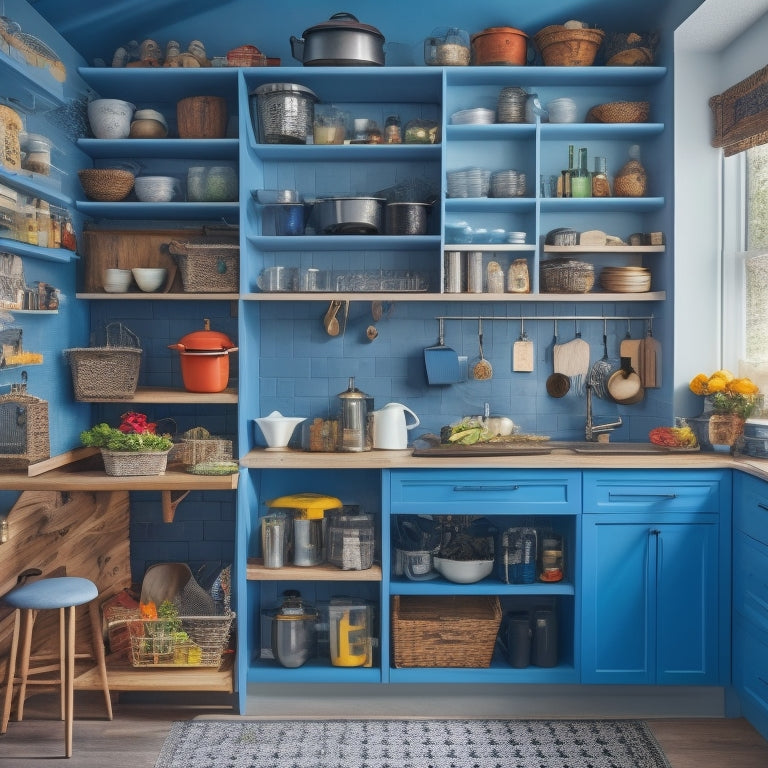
(726,393)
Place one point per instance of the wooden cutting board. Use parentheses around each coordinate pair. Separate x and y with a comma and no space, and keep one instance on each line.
(631,348)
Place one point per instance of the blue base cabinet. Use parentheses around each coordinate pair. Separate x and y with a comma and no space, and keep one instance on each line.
(750,598)
(654,578)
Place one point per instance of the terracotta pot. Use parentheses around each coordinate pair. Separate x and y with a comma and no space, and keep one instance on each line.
(500,46)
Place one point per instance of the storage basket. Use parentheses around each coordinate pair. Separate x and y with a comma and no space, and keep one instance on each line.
(282,113)
(134,463)
(157,642)
(246,56)
(202,117)
(106,184)
(24,434)
(207,265)
(444,631)
(110,372)
(566,276)
(619,112)
(563,47)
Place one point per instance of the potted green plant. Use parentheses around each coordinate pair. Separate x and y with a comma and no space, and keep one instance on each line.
(133,448)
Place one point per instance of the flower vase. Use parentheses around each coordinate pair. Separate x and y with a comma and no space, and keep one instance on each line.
(725,428)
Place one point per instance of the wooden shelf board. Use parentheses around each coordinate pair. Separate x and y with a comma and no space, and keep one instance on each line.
(447,297)
(256,571)
(178,396)
(604,248)
(159,296)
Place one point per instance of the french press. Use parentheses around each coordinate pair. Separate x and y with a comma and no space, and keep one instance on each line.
(353,419)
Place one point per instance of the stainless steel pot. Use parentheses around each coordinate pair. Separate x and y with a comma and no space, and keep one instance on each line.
(340,41)
(407,218)
(348,215)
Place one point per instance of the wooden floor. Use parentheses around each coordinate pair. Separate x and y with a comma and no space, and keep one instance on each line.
(134,738)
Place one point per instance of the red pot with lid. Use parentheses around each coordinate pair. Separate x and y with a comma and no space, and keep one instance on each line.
(205,359)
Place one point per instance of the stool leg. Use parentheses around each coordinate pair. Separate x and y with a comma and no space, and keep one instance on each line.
(26,649)
(98,652)
(62,661)
(69,679)
(11,674)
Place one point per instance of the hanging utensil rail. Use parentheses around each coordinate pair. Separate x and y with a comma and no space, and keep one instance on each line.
(547,318)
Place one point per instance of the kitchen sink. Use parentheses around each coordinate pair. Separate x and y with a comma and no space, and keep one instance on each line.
(607,448)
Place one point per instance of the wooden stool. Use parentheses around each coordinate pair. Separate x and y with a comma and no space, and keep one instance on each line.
(62,593)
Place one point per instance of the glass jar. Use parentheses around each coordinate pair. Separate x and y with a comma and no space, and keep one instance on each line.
(518,278)
(600,185)
(551,561)
(215,184)
(447,47)
(393,130)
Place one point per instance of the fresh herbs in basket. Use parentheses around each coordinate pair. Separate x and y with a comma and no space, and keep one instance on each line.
(134,434)
(159,637)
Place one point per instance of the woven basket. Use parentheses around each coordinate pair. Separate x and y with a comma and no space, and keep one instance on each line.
(24,433)
(207,265)
(562,47)
(631,180)
(566,276)
(202,117)
(619,112)
(106,184)
(444,631)
(110,372)
(134,463)
(246,56)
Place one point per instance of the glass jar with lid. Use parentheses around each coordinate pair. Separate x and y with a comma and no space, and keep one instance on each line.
(447,47)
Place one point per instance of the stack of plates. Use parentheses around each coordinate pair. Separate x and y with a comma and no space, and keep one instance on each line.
(562,110)
(468,182)
(510,183)
(510,107)
(625,279)
(516,238)
(476,116)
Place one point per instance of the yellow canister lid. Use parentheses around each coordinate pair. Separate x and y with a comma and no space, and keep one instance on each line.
(311,505)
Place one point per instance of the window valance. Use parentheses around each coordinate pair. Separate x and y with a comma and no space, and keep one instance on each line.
(741,114)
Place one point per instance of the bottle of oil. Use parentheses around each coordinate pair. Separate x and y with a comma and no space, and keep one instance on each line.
(600,185)
(581,179)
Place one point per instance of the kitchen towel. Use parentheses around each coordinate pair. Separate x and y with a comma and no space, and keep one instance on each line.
(416,743)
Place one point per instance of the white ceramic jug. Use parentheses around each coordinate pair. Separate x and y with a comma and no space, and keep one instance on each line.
(390,432)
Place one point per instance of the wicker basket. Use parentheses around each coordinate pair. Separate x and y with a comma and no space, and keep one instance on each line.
(134,463)
(110,372)
(566,276)
(207,265)
(202,117)
(444,631)
(619,112)
(246,56)
(631,180)
(24,433)
(107,185)
(563,47)
(153,645)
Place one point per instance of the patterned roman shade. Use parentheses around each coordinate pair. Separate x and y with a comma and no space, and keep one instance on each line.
(741,114)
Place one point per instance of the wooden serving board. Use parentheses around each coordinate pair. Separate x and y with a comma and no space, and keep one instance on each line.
(482,449)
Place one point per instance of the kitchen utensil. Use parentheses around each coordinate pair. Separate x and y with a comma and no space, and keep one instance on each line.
(650,359)
(630,348)
(350,541)
(205,359)
(462,571)
(330,321)
(441,362)
(293,630)
(390,430)
(602,369)
(156,189)
(275,539)
(341,41)
(149,279)
(277,429)
(557,383)
(572,359)
(522,351)
(282,113)
(353,419)
(348,215)
(406,218)
(624,386)
(350,632)
(482,370)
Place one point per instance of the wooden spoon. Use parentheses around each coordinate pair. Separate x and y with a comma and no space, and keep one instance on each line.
(330,321)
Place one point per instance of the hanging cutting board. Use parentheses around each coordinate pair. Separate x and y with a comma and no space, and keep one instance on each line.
(650,362)
(572,359)
(631,348)
(522,353)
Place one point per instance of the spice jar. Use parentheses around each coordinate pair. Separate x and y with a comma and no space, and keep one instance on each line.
(551,560)
(38,149)
(518,279)
(393,130)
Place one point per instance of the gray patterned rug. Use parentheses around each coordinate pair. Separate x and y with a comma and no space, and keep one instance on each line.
(411,744)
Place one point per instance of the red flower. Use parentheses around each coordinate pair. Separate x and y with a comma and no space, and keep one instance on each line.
(136,423)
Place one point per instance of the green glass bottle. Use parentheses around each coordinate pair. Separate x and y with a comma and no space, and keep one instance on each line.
(581,180)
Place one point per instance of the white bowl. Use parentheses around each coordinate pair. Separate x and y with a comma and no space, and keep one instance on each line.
(463,571)
(117,280)
(150,114)
(110,118)
(277,429)
(155,189)
(149,279)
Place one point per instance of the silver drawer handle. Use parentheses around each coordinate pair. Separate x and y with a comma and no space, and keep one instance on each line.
(641,495)
(486,487)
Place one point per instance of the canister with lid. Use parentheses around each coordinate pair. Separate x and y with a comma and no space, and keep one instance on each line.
(353,419)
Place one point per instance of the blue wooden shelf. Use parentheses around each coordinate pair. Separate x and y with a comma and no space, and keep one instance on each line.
(203,149)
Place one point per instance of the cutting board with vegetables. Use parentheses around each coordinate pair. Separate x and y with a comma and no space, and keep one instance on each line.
(483,449)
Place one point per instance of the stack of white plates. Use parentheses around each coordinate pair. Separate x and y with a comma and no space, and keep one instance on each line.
(516,238)
(562,110)
(625,279)
(468,182)
(510,107)
(476,116)
(508,183)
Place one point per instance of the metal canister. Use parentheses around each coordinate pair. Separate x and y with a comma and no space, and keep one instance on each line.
(353,419)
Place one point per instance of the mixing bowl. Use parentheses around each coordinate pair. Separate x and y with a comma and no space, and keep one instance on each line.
(149,279)
(156,189)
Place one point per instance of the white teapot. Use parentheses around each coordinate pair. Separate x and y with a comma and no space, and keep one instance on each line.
(390,431)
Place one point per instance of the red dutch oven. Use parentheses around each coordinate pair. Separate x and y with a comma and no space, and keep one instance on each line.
(205,359)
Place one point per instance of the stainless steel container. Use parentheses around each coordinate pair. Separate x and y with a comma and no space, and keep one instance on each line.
(348,215)
(340,41)
(353,419)
(407,218)
(275,539)
(293,630)
(282,113)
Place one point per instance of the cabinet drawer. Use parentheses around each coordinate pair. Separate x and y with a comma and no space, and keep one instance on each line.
(656,492)
(750,668)
(485,492)
(750,579)
(750,513)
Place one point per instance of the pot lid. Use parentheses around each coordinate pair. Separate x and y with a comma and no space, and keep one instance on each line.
(294,607)
(344,21)
(312,505)
(206,340)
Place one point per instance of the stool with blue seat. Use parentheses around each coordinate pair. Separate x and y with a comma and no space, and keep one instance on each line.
(61,593)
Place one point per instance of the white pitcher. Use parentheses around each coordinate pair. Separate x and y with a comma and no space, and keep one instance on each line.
(390,432)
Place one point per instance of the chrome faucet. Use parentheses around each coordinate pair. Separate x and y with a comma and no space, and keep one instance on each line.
(591,430)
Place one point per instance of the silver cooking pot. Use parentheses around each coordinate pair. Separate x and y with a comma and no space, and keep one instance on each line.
(348,215)
(407,218)
(340,41)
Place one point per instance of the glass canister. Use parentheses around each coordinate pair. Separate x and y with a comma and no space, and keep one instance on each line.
(447,47)
(212,184)
(551,560)
(350,625)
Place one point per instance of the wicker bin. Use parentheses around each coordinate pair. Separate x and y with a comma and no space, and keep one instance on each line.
(564,47)
(134,463)
(207,265)
(566,276)
(444,631)
(24,433)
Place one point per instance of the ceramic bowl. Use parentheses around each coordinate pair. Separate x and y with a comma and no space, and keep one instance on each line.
(463,571)
(110,118)
(150,114)
(148,129)
(155,189)
(149,279)
(117,280)
(277,429)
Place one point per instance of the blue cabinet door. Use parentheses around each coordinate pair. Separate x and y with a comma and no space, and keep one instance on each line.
(650,611)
